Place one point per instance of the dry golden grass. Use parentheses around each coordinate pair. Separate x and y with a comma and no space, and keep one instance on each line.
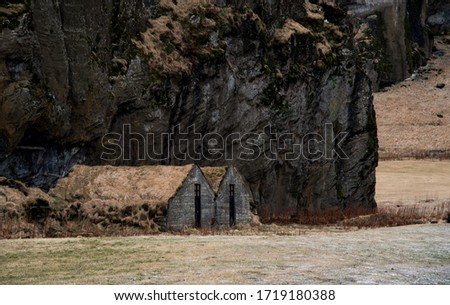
(290,28)
(401,255)
(393,215)
(410,192)
(153,185)
(413,117)
(13,9)
(15,202)
(313,11)
(173,44)
(214,176)
(107,200)
(163,44)
(412,180)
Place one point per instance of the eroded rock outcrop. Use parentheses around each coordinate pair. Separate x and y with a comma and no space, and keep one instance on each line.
(439,17)
(73,71)
(393,36)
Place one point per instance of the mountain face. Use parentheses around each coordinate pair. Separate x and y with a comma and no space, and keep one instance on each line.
(277,88)
(393,37)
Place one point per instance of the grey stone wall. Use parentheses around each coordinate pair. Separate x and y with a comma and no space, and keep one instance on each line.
(181,208)
(242,200)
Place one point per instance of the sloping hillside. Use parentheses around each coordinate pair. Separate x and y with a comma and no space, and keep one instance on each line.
(414,116)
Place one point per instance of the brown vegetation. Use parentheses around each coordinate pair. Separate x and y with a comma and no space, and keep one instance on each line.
(392,215)
(105,202)
(12,9)
(412,181)
(413,117)
(153,185)
(91,202)
(173,43)
(290,28)
(190,32)
(214,176)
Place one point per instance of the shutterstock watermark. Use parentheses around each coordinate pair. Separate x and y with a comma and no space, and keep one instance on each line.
(189,144)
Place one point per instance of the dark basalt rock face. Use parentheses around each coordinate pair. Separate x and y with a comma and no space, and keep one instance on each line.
(439,17)
(393,37)
(75,71)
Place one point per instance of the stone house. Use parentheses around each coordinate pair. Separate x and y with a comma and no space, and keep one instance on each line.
(192,205)
(233,196)
(210,197)
(174,197)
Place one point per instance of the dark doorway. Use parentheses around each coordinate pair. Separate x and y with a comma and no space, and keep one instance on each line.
(232,206)
(198,206)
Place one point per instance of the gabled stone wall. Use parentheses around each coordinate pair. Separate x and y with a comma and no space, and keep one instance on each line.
(242,199)
(181,209)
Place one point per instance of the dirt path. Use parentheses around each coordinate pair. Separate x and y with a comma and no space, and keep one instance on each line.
(413,116)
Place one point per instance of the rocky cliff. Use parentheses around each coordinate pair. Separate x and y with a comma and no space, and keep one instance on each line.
(393,37)
(74,71)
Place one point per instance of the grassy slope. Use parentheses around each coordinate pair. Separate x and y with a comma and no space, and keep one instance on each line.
(413,117)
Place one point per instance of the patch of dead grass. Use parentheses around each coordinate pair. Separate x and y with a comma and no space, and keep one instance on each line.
(175,42)
(214,175)
(153,185)
(392,215)
(412,180)
(291,27)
